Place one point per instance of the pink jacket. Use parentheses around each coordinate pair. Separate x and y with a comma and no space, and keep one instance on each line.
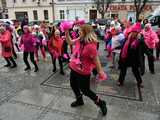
(28,40)
(6,41)
(150,38)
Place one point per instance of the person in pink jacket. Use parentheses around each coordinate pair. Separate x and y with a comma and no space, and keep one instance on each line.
(150,39)
(6,42)
(83,60)
(28,41)
(55,47)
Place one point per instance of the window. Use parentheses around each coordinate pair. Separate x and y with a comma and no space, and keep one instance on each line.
(46,14)
(35,15)
(62,16)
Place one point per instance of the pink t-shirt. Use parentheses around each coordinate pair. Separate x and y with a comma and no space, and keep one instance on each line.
(82,60)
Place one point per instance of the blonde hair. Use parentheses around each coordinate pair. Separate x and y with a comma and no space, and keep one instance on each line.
(89,34)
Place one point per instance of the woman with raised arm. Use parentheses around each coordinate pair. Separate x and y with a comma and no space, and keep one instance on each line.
(83,60)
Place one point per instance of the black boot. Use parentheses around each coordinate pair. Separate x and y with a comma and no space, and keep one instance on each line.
(62,72)
(8,62)
(36,69)
(78,102)
(54,66)
(13,62)
(102,105)
(54,69)
(27,68)
(61,66)
(7,65)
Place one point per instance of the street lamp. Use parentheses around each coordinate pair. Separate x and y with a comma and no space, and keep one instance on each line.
(53,16)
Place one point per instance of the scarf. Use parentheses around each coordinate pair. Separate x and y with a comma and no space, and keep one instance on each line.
(133,42)
(150,37)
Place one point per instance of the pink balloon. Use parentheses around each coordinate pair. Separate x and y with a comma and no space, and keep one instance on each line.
(81,22)
(66,25)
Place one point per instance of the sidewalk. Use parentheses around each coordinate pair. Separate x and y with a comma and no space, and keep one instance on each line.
(33,96)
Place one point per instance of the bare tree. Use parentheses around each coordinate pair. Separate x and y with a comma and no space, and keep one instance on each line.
(139,6)
(102,6)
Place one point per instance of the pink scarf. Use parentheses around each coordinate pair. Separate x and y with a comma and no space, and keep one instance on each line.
(150,37)
(130,41)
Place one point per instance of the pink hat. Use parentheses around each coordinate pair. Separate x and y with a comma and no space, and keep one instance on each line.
(136,27)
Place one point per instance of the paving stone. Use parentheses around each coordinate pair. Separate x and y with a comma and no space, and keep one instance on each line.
(63,104)
(35,97)
(115,113)
(10,111)
(58,116)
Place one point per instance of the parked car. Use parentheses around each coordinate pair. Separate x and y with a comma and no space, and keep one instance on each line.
(7,20)
(36,22)
(154,18)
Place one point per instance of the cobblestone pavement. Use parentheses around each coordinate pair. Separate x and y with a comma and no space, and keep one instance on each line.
(47,96)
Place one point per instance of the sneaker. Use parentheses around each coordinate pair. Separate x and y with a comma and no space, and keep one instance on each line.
(77,103)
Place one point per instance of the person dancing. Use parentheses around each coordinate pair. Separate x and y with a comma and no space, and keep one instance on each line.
(6,42)
(83,60)
(28,40)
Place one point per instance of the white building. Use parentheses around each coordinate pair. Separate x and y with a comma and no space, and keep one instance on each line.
(43,9)
(34,9)
(69,9)
(3,10)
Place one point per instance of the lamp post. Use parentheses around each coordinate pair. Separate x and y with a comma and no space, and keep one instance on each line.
(53,15)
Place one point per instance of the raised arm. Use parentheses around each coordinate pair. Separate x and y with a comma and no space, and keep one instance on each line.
(68,38)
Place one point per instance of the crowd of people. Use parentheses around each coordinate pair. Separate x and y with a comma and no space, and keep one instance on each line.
(78,45)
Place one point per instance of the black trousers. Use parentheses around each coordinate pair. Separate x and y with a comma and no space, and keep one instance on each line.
(157,52)
(60,63)
(151,61)
(25,58)
(80,84)
(135,71)
(10,60)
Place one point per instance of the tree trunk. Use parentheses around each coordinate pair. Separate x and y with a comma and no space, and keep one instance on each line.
(137,15)
(102,15)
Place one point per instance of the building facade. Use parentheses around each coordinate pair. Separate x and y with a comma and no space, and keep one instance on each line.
(3,9)
(51,10)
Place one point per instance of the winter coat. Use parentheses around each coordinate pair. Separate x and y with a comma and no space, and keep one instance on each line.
(6,42)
